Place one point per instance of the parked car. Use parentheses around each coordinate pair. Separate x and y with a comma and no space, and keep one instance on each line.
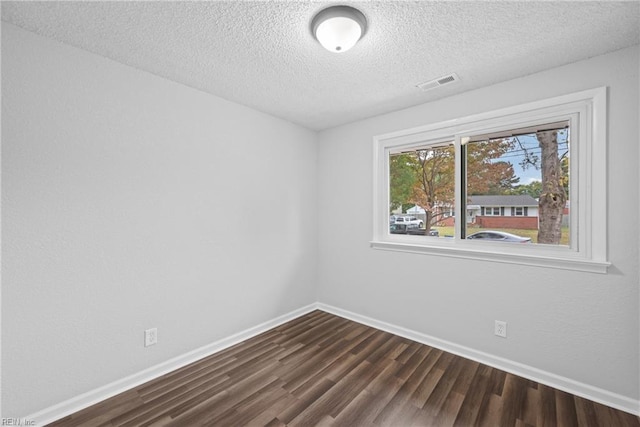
(412,229)
(497,236)
(409,220)
(400,228)
(423,232)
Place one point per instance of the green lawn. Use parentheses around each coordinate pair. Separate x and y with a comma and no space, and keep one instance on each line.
(533,234)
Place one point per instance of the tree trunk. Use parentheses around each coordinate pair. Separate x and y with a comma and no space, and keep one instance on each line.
(428,217)
(553,197)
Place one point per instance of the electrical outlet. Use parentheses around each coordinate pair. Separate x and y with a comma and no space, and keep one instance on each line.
(500,329)
(150,337)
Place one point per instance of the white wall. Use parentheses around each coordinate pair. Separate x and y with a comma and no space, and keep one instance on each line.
(132,202)
(577,325)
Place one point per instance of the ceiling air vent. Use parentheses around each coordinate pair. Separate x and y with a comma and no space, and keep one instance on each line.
(440,81)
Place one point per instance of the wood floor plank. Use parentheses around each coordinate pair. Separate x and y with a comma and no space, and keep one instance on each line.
(565,409)
(547,415)
(464,378)
(468,412)
(258,402)
(202,412)
(497,381)
(585,412)
(449,411)
(333,372)
(156,408)
(513,399)
(339,396)
(266,416)
(413,362)
(275,423)
(431,381)
(444,385)
(531,407)
(491,414)
(324,370)
(190,379)
(409,351)
(317,362)
(369,403)
(350,363)
(103,412)
(305,400)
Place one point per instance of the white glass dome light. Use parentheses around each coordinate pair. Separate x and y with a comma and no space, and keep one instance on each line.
(338,28)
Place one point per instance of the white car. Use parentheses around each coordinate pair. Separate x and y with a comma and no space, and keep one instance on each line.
(498,236)
(409,220)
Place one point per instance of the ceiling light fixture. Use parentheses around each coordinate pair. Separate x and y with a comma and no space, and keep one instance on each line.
(338,28)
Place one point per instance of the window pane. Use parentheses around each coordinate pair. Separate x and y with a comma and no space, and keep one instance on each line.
(421,191)
(524,172)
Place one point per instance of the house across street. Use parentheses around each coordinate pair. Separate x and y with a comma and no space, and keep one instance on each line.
(518,211)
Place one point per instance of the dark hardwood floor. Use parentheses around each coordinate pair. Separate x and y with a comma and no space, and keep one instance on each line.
(321,369)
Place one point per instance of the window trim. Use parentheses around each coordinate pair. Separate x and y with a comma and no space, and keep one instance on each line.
(587,113)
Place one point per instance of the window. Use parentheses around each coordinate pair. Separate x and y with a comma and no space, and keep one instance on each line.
(422,179)
(533,174)
(524,165)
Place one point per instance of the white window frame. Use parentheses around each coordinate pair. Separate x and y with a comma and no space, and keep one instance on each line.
(514,210)
(586,112)
(493,209)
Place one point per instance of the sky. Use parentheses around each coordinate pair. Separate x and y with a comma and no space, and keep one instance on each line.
(529,144)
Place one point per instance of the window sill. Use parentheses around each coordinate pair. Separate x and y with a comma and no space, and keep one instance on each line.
(536,260)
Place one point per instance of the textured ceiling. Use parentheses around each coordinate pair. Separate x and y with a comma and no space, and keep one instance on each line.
(262,54)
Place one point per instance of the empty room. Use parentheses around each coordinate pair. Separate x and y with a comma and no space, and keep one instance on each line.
(299,213)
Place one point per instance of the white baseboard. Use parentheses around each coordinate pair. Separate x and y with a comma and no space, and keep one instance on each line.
(595,394)
(85,400)
(92,397)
